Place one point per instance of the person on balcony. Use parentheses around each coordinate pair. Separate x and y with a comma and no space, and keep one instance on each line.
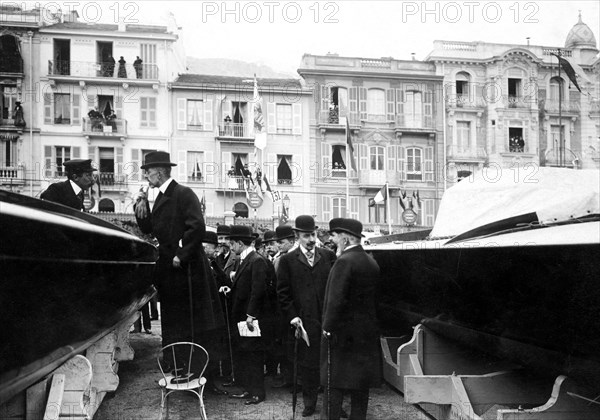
(109,66)
(137,65)
(18,115)
(227,127)
(95,119)
(122,73)
(111,120)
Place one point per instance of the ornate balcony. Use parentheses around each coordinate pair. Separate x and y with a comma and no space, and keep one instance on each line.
(111,179)
(465,102)
(465,153)
(99,127)
(12,174)
(518,102)
(424,122)
(233,130)
(551,107)
(92,69)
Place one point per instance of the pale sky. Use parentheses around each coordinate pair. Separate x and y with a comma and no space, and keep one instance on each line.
(278,33)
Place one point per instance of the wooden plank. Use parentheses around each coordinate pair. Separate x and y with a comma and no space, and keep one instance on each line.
(55,397)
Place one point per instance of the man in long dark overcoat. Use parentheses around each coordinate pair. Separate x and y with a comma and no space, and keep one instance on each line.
(350,355)
(301,279)
(177,222)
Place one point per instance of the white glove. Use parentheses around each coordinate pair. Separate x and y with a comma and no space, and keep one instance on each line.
(296,322)
(224,290)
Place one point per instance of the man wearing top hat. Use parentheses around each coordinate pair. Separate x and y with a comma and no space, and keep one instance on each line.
(70,192)
(301,281)
(350,344)
(248,300)
(177,222)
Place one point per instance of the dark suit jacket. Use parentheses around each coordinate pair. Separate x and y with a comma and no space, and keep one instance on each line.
(62,193)
(349,314)
(248,298)
(301,292)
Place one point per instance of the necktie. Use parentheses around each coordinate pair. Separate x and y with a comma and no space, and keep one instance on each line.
(80,197)
(310,257)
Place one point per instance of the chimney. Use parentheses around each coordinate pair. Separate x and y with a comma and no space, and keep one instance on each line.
(413,56)
(72,16)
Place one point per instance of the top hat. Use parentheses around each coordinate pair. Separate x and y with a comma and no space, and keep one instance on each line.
(269,236)
(210,237)
(157,158)
(351,226)
(79,165)
(305,223)
(223,230)
(240,232)
(283,232)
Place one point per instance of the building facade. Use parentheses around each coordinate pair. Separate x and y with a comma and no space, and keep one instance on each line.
(502,105)
(395,115)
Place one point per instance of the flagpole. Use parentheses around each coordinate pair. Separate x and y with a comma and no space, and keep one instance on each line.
(347,179)
(560,129)
(387,196)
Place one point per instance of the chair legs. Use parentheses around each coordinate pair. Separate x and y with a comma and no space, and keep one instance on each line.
(165,396)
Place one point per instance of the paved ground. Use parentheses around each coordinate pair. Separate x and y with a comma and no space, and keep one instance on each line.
(138,395)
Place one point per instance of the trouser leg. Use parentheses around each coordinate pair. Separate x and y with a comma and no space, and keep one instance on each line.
(310,385)
(359,402)
(332,402)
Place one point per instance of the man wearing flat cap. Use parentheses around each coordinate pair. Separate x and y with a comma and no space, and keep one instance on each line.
(301,280)
(190,306)
(70,192)
(350,344)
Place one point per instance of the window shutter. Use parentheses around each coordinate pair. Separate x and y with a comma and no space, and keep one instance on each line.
(363,164)
(136,172)
(391,155)
(297,119)
(47,108)
(391,104)
(225,110)
(208,115)
(271,118)
(326,208)
(225,165)
(182,165)
(118,103)
(270,169)
(77,152)
(118,164)
(75,109)
(429,164)
(428,108)
(402,163)
(48,166)
(181,114)
(429,206)
(354,208)
(362,99)
(325,100)
(399,102)
(325,160)
(210,169)
(152,112)
(353,101)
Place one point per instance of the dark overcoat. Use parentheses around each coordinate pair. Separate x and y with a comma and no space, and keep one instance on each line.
(177,223)
(349,314)
(62,193)
(248,298)
(301,292)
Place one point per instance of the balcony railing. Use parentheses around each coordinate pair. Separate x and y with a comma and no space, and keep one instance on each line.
(457,152)
(414,121)
(92,69)
(103,127)
(237,130)
(464,101)
(108,179)
(566,106)
(236,183)
(518,102)
(332,117)
(14,173)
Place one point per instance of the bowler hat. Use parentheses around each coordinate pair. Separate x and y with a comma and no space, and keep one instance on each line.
(223,230)
(269,236)
(210,237)
(351,226)
(258,242)
(157,158)
(305,223)
(283,232)
(240,232)
(79,165)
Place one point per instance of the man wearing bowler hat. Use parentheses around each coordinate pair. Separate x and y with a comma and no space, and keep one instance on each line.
(70,192)
(350,343)
(284,236)
(247,307)
(187,313)
(301,281)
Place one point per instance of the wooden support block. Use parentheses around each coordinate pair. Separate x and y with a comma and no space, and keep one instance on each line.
(101,356)
(123,350)
(55,397)
(78,378)
(35,398)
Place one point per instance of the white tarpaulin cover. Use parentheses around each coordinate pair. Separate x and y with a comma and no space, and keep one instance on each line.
(555,194)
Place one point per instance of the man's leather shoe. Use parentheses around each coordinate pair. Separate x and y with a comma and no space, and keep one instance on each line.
(216,391)
(254,400)
(308,411)
(229,384)
(241,396)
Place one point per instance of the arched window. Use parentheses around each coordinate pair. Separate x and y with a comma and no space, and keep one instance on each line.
(553,94)
(376,105)
(106,205)
(240,210)
(463,81)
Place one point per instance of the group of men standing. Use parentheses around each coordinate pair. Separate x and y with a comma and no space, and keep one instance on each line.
(330,297)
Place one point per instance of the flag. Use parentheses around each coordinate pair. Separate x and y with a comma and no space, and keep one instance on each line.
(573,71)
(380,197)
(260,135)
(203,204)
(403,200)
(266,186)
(416,201)
(349,143)
(283,217)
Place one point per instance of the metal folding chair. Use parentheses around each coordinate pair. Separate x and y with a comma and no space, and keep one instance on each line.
(189,361)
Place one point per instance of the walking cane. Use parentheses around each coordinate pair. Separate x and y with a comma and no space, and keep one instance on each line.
(189,273)
(229,338)
(328,337)
(295,379)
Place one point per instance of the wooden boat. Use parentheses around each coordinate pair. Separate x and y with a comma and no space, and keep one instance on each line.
(68,278)
(510,269)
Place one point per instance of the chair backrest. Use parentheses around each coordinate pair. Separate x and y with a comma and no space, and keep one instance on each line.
(188,360)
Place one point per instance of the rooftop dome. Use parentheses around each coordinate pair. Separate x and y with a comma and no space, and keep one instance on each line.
(580,36)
